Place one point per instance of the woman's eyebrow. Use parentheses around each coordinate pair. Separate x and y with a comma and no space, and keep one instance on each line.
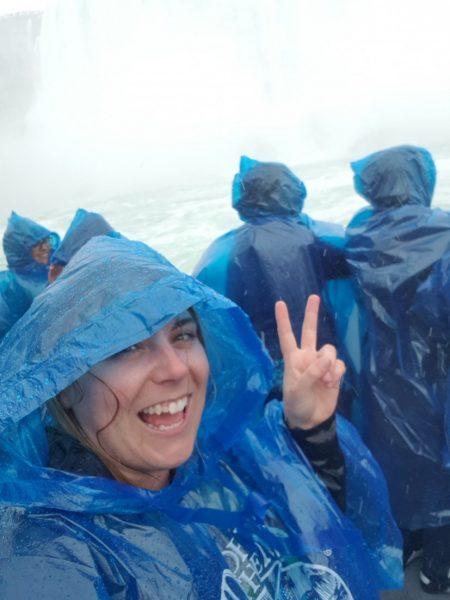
(183,320)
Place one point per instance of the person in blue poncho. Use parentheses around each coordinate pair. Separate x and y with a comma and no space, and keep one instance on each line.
(138,461)
(83,227)
(279,252)
(28,247)
(396,250)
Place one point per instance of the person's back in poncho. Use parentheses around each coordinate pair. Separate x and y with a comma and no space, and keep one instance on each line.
(395,249)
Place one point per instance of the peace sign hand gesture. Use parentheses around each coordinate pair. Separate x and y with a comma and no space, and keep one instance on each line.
(311,377)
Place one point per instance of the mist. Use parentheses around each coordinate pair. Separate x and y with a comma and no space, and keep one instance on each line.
(100,98)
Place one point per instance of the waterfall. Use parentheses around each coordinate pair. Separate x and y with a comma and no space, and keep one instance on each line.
(132,95)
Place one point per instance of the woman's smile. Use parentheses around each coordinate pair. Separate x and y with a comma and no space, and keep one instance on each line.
(166,418)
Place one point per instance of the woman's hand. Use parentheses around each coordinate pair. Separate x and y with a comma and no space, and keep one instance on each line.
(311,377)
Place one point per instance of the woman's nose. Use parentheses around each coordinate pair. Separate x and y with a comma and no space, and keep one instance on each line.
(171,364)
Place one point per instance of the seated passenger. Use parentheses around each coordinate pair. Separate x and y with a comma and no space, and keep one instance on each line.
(275,254)
(83,227)
(137,461)
(28,247)
(394,249)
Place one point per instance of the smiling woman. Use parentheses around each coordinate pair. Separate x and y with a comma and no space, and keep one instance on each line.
(141,408)
(138,460)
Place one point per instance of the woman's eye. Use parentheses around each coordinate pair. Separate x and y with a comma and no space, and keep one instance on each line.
(185,336)
(129,350)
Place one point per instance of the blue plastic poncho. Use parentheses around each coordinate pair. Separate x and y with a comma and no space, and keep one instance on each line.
(26,277)
(279,253)
(393,249)
(432,310)
(245,517)
(84,226)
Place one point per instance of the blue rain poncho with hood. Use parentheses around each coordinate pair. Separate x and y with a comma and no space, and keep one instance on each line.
(244,517)
(84,226)
(26,277)
(395,249)
(280,252)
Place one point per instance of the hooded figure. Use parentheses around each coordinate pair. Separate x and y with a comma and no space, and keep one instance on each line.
(244,516)
(278,253)
(83,227)
(396,250)
(27,247)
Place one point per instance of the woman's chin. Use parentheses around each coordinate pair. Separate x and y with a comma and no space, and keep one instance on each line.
(173,458)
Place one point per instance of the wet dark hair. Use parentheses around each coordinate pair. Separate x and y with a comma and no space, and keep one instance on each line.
(67,420)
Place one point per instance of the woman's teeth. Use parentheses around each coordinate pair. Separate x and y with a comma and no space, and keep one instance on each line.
(172,408)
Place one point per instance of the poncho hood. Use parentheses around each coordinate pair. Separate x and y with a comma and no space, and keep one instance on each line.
(20,236)
(262,189)
(115,293)
(84,226)
(396,176)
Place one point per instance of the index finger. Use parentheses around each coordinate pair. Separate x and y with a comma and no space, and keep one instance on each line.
(309,327)
(286,336)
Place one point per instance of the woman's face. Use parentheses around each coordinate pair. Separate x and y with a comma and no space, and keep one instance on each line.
(41,251)
(160,385)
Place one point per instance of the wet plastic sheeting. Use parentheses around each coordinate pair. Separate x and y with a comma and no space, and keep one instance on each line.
(399,252)
(26,278)
(83,227)
(280,253)
(245,515)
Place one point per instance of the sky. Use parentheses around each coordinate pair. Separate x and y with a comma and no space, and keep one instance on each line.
(127,96)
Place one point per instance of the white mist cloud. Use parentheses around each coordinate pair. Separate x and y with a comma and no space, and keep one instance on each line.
(8,7)
(132,95)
